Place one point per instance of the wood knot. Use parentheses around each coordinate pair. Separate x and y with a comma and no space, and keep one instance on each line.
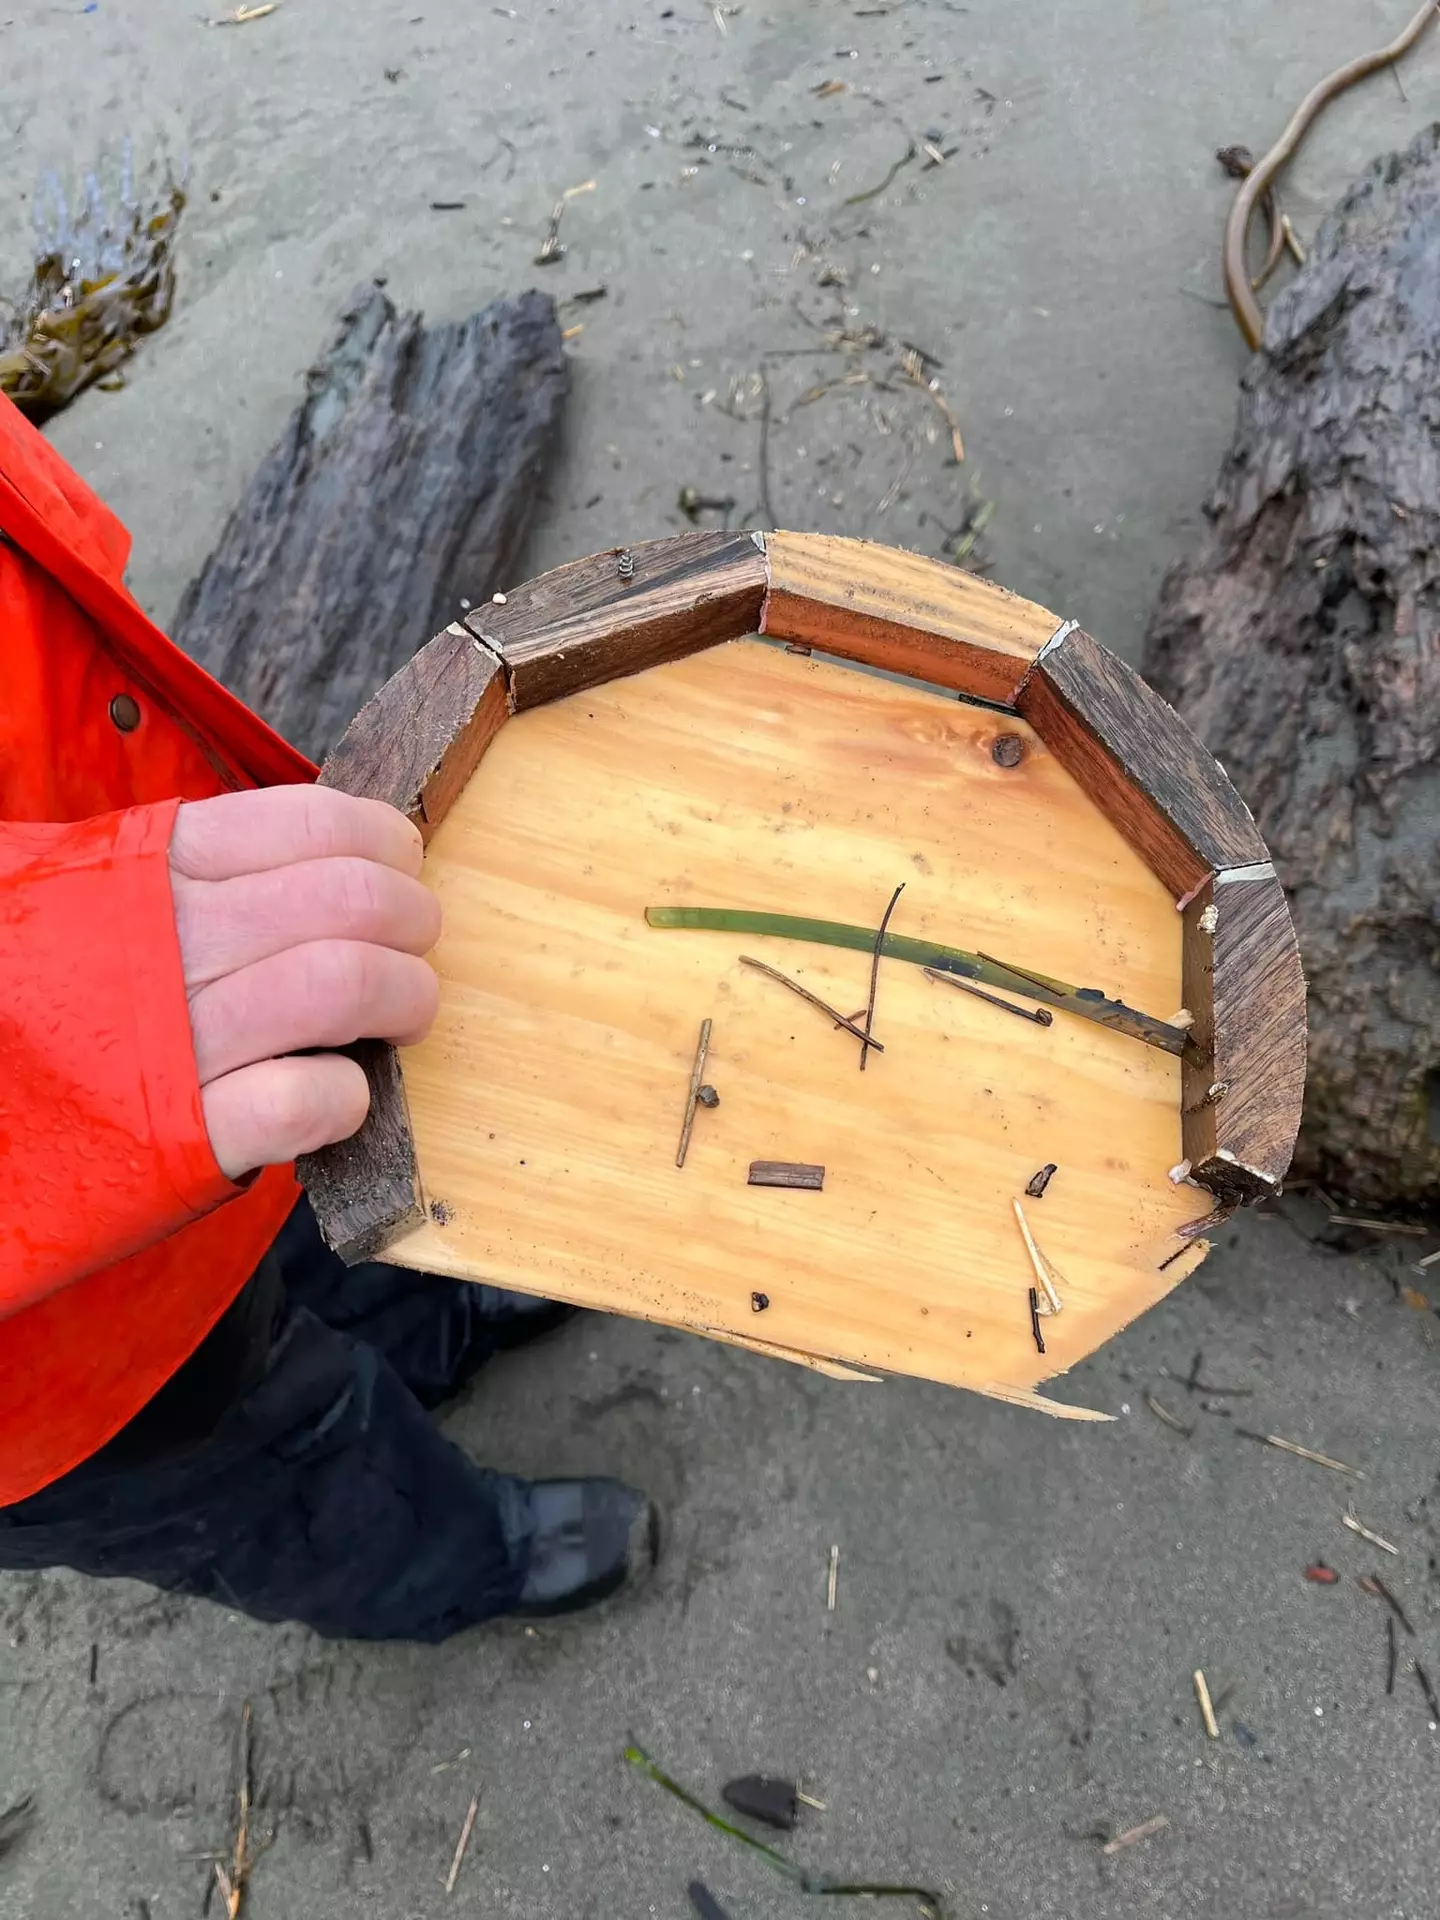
(1007,750)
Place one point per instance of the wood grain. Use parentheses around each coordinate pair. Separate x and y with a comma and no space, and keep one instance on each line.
(366,1190)
(545,1102)
(582,624)
(902,612)
(1140,763)
(1244,984)
(420,739)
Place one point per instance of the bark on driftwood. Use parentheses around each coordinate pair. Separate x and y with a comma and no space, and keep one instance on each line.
(1302,641)
(403,483)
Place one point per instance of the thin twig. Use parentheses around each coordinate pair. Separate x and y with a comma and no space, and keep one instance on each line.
(1300,1453)
(461,1844)
(1037,1260)
(1375,1539)
(1207,1711)
(1042,1016)
(875,973)
(1428,1690)
(1392,1654)
(697,1075)
(1035,1321)
(1133,1835)
(1378,1226)
(805,994)
(1372,1583)
(832,1580)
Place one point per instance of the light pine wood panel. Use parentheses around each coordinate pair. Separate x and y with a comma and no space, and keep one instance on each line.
(902,611)
(547,1103)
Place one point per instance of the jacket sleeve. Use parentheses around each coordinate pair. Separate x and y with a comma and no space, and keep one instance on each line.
(103,1148)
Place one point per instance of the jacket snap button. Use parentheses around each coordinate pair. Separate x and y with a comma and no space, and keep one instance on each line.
(125,712)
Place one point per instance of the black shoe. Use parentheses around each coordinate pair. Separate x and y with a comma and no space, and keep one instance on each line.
(587,1538)
(513,1319)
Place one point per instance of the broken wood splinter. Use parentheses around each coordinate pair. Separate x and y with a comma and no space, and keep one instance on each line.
(774,973)
(1043,1268)
(786,1173)
(697,1076)
(832,1580)
(1042,1016)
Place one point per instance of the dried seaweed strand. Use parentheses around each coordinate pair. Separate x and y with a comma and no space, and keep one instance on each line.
(1086,1003)
(803,1881)
(875,973)
(805,994)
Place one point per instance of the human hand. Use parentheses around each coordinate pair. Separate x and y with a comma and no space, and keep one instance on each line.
(301,924)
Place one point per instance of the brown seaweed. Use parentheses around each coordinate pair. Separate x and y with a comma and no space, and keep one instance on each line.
(103,277)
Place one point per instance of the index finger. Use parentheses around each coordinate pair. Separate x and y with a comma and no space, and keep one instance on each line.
(239,833)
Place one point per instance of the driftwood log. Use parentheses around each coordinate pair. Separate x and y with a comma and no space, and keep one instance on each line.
(402,487)
(1302,642)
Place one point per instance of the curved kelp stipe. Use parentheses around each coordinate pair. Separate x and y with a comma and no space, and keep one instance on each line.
(804,1881)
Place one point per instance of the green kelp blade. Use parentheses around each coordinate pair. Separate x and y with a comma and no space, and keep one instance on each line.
(1087,1003)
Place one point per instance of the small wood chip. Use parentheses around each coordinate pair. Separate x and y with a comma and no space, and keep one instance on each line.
(461,1844)
(1207,1711)
(1134,1835)
(786,1173)
(833,1580)
(1375,1539)
(1035,1186)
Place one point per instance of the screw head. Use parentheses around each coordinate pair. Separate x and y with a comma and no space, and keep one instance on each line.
(1007,750)
(125,712)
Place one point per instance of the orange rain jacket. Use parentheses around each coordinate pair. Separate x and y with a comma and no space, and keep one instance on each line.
(121,1242)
